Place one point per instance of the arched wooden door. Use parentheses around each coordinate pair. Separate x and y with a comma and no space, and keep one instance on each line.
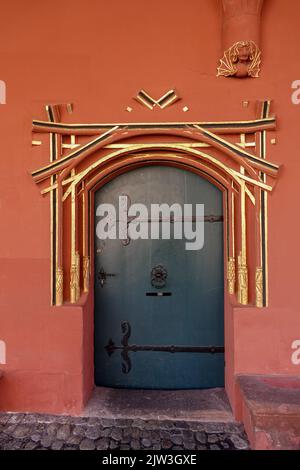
(159,309)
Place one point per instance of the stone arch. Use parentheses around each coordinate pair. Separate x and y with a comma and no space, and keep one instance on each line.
(107,167)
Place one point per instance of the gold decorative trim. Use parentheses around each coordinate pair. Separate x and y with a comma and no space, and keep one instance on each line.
(73,224)
(59,286)
(73,283)
(243,225)
(77,276)
(242,258)
(233,222)
(74,272)
(242,282)
(144,145)
(75,280)
(86,273)
(259,287)
(52,291)
(52,234)
(265,195)
(265,112)
(185,144)
(231,275)
(229,63)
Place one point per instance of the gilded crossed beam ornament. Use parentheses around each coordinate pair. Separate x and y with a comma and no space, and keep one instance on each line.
(58,165)
(166,100)
(111,135)
(241,173)
(226,146)
(225,127)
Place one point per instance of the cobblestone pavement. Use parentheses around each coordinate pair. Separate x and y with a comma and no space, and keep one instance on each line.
(40,432)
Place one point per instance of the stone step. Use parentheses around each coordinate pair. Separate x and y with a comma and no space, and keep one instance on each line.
(271,411)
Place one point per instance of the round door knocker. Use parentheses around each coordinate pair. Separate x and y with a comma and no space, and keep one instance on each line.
(159,276)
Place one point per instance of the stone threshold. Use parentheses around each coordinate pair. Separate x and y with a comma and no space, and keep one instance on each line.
(209,405)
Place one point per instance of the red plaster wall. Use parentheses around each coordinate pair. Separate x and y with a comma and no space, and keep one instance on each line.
(98,55)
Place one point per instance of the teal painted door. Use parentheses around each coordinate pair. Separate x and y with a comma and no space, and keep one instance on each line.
(155,302)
